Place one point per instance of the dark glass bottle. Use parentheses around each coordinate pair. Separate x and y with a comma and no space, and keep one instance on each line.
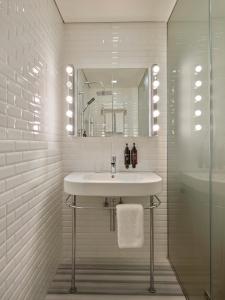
(127,157)
(134,158)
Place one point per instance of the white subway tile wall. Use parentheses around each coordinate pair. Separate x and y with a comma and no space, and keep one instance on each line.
(30,147)
(91,46)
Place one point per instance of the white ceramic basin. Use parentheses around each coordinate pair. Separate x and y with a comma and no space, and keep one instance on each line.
(123,184)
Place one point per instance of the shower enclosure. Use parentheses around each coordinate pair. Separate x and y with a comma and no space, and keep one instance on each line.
(196,147)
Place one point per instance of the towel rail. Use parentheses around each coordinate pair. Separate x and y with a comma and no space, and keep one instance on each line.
(73,204)
(69,204)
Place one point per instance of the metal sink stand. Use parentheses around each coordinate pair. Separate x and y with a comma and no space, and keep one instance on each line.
(73,204)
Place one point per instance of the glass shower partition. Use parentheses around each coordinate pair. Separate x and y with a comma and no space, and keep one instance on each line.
(189,146)
(196,146)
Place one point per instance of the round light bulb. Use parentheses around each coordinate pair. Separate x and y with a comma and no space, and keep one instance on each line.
(198,127)
(156,84)
(35,127)
(156,69)
(69,99)
(69,84)
(69,127)
(156,113)
(198,98)
(198,83)
(69,70)
(69,113)
(156,98)
(156,127)
(37,100)
(198,68)
(198,113)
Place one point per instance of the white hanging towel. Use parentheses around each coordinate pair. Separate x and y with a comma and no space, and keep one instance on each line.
(130,225)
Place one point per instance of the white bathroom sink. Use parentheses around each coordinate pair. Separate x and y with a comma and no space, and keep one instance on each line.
(123,184)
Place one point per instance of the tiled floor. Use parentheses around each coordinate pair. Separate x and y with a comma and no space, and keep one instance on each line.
(118,280)
(113,297)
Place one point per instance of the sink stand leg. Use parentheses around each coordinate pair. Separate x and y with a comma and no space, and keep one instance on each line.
(152,283)
(73,289)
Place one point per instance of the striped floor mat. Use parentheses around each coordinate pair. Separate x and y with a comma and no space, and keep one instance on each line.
(126,280)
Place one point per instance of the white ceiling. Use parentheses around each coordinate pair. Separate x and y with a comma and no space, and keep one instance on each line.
(126,78)
(115,10)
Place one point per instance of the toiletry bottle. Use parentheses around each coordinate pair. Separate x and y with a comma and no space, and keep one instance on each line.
(127,156)
(134,156)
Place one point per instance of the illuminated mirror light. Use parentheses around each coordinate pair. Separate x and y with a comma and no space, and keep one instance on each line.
(69,113)
(198,83)
(35,127)
(198,98)
(69,84)
(69,70)
(69,99)
(198,113)
(198,127)
(156,113)
(69,127)
(114,81)
(156,98)
(156,69)
(156,84)
(198,68)
(37,100)
(156,128)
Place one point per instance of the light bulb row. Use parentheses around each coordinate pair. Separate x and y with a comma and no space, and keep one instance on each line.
(155,98)
(70,99)
(35,125)
(198,98)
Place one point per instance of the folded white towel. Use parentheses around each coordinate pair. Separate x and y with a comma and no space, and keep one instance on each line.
(130,225)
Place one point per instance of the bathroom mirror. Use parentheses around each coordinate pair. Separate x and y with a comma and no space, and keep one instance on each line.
(113,102)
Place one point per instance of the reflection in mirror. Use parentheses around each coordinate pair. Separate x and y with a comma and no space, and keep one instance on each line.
(113,102)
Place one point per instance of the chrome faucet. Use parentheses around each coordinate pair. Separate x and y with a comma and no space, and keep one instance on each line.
(113,165)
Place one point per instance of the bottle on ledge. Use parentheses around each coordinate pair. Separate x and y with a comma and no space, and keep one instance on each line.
(127,157)
(134,158)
